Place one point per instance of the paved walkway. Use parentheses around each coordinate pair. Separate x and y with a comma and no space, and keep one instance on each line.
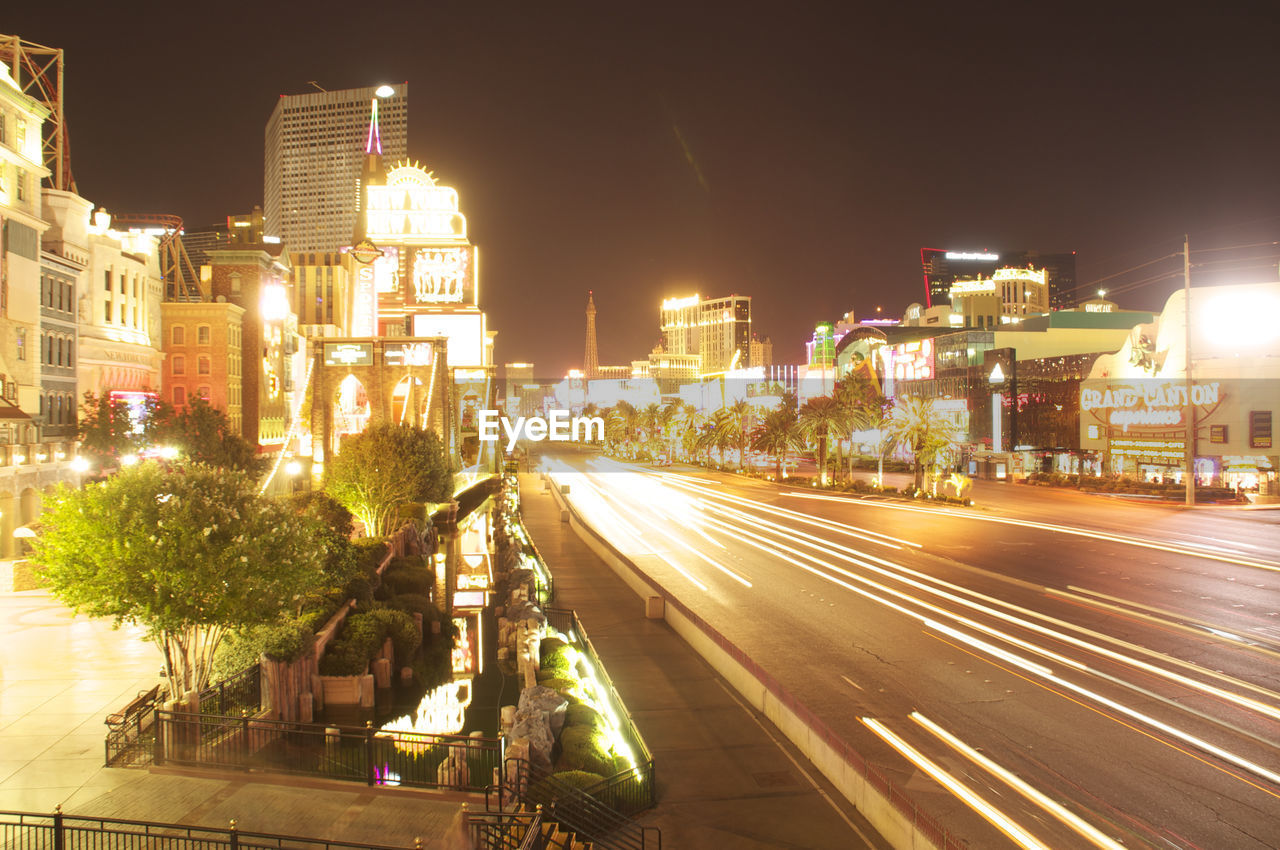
(727,778)
(61,675)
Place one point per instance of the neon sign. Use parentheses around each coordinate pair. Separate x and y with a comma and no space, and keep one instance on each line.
(411,204)
(970,255)
(440,274)
(1158,405)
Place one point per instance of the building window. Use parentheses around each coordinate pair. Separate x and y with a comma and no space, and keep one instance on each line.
(71,360)
(179,395)
(106,277)
(20,336)
(202,335)
(203,392)
(235,282)
(202,365)
(122,312)
(179,335)
(20,184)
(179,365)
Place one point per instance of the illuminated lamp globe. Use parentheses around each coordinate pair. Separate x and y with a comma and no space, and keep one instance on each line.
(385,91)
(292,467)
(80,464)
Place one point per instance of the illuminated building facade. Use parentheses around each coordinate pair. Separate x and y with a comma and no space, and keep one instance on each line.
(257,282)
(1137,415)
(942,268)
(760,352)
(204,356)
(313,159)
(419,350)
(1007,296)
(322,292)
(21,124)
(718,330)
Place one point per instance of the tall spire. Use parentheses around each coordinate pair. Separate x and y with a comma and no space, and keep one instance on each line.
(591,361)
(374,144)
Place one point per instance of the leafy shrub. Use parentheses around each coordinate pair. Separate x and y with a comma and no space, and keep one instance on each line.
(287,640)
(582,714)
(400,627)
(585,748)
(556,658)
(371,551)
(405,575)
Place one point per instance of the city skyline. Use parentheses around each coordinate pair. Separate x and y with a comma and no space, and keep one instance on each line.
(640,159)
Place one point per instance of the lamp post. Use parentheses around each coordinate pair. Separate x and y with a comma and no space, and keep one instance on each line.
(1190,408)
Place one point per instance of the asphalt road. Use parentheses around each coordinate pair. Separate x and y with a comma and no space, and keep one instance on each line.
(1047,670)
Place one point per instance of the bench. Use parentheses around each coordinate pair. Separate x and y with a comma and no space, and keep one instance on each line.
(143,700)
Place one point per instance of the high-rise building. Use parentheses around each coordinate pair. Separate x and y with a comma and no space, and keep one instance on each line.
(315,146)
(942,268)
(716,329)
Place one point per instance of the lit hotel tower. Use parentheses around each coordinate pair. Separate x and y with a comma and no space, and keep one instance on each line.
(313,158)
(591,360)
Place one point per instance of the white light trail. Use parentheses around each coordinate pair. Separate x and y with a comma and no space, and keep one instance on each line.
(990,813)
(1071,819)
(1093,534)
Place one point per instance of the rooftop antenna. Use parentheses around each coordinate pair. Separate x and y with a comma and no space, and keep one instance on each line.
(317,85)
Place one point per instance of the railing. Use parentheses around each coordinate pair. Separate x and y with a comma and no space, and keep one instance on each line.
(58,831)
(503,830)
(582,812)
(132,742)
(238,694)
(347,753)
(632,790)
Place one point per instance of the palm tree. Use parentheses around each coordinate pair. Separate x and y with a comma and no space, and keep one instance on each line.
(734,428)
(818,417)
(918,425)
(777,435)
(649,420)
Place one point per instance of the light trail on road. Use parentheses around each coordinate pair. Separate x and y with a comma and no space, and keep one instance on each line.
(1093,534)
(678,516)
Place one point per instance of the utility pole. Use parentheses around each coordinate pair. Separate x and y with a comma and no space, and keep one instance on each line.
(1190,407)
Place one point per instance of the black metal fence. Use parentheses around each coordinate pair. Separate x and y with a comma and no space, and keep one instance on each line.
(586,813)
(32,831)
(238,694)
(364,755)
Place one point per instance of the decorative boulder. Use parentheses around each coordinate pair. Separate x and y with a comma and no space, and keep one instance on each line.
(533,727)
(549,702)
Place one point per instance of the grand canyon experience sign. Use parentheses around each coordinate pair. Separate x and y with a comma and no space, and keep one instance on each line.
(1146,405)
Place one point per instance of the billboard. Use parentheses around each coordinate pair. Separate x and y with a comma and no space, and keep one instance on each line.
(465,332)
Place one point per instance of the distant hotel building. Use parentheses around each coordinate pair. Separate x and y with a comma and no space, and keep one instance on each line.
(718,330)
(943,268)
(314,152)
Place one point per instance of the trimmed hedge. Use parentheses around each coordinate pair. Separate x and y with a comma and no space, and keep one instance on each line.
(585,748)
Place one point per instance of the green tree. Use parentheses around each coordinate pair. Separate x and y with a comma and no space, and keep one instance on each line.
(818,418)
(107,431)
(188,554)
(733,428)
(202,433)
(382,468)
(927,433)
(778,435)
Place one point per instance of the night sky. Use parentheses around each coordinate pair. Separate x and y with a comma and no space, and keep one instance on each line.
(798,153)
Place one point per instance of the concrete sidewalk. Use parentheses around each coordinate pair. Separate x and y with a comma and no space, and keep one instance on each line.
(726,777)
(61,675)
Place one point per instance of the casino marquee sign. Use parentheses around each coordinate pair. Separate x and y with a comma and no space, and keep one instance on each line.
(1146,405)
